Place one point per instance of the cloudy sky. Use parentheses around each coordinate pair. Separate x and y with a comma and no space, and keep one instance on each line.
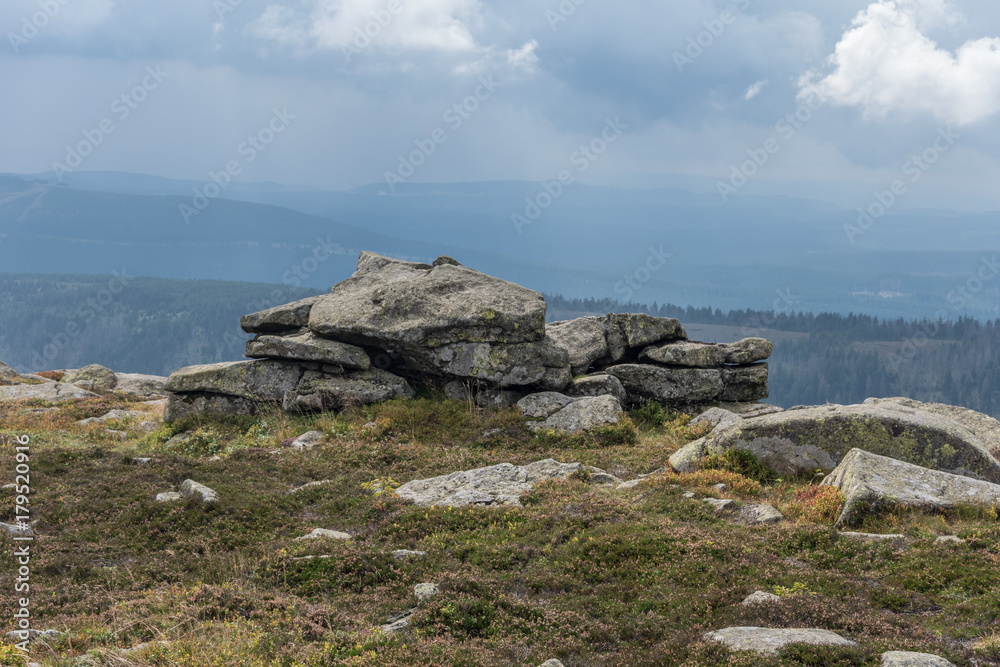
(334,92)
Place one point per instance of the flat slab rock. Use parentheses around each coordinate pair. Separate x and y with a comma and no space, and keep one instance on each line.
(307,346)
(582,415)
(911,659)
(799,441)
(50,391)
(501,484)
(709,355)
(877,480)
(769,641)
(393,304)
(287,317)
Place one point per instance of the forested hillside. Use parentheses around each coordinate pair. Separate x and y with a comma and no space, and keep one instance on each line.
(150,325)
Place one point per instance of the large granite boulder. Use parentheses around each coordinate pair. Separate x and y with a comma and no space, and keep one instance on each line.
(318,391)
(94,377)
(400,305)
(646,382)
(584,340)
(800,441)
(912,659)
(709,355)
(280,319)
(612,338)
(181,406)
(871,481)
(543,404)
(984,426)
(599,384)
(258,380)
(501,484)
(505,365)
(744,383)
(307,346)
(583,414)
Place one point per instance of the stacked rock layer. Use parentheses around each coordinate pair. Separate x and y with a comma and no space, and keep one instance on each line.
(442,324)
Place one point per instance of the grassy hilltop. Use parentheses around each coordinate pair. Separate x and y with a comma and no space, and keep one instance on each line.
(587,574)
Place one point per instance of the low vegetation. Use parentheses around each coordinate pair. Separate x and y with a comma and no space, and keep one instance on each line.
(584,573)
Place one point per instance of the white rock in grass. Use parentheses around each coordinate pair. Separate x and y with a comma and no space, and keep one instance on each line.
(768,641)
(191,487)
(324,533)
(760,597)
(911,659)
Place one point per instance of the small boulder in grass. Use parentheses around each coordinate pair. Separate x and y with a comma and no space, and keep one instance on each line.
(911,659)
(190,488)
(759,597)
(323,533)
(307,440)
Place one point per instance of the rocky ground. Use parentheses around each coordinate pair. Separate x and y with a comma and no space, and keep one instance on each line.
(280,539)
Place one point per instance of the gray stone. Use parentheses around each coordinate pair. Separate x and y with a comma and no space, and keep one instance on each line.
(317,392)
(551,663)
(323,533)
(33,635)
(500,484)
(911,659)
(498,364)
(986,428)
(715,416)
(605,478)
(11,488)
(168,497)
(117,435)
(50,391)
(751,409)
(456,390)
(149,427)
(640,330)
(686,353)
(875,481)
(98,377)
(310,485)
(257,379)
(401,554)
(139,385)
(600,384)
(425,591)
(190,488)
(582,415)
(140,648)
(762,514)
(760,597)
(287,317)
(181,406)
(113,415)
(6,372)
(584,339)
(400,305)
(769,641)
(748,351)
(307,346)
(631,484)
(645,382)
(21,529)
(720,505)
(949,539)
(798,442)
(543,404)
(399,622)
(308,440)
(744,383)
(893,538)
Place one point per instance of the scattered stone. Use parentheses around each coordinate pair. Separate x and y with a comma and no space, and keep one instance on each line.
(398,622)
(551,663)
(760,597)
(288,317)
(631,484)
(582,415)
(142,459)
(149,427)
(911,659)
(768,641)
(168,497)
(140,386)
(117,435)
(140,648)
(494,485)
(114,415)
(263,380)
(761,514)
(319,391)
(797,442)
(543,404)
(721,488)
(41,411)
(604,478)
(318,533)
(715,416)
(98,377)
(307,346)
(690,495)
(51,392)
(893,538)
(310,485)
(190,487)
(21,529)
(425,591)
(6,372)
(720,506)
(308,440)
(401,554)
(872,481)
(33,635)
(949,539)
(600,384)
(180,406)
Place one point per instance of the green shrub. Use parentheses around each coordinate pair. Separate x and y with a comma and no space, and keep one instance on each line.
(741,462)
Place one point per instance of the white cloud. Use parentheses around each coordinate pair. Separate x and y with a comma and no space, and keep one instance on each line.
(886,63)
(755,89)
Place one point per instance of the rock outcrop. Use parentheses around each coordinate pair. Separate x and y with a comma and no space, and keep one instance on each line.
(480,338)
(769,641)
(870,481)
(801,441)
(94,377)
